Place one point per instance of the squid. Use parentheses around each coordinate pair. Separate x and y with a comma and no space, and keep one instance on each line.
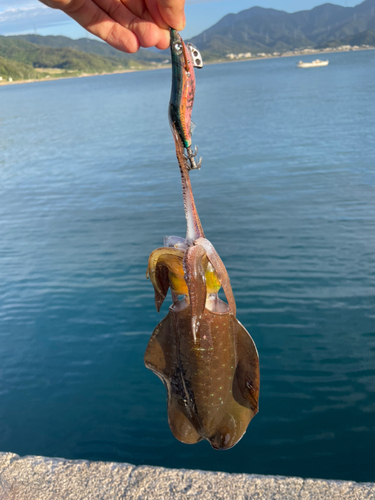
(206,359)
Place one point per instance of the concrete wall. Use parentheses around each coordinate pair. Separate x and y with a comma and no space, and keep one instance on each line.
(39,478)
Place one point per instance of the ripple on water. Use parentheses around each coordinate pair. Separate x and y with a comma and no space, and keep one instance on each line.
(287,199)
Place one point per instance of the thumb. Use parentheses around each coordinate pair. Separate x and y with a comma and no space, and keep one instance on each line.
(172,11)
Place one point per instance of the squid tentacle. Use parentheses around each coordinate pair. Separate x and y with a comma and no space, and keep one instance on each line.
(220,269)
(196,283)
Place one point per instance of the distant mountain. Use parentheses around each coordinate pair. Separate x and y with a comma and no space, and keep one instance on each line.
(89,46)
(268,30)
(365,38)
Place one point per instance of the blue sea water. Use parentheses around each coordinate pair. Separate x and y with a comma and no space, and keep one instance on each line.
(89,186)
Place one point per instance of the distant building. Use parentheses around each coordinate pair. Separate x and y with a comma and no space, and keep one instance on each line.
(239,56)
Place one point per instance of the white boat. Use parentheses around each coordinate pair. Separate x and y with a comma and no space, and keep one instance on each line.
(314,64)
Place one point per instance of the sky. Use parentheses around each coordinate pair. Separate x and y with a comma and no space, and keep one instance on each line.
(30,16)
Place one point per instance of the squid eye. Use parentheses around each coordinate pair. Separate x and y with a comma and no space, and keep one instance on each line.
(178,47)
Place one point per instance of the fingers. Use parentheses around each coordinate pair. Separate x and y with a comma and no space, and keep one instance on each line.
(164,41)
(55,4)
(147,33)
(134,19)
(154,11)
(126,25)
(173,13)
(91,17)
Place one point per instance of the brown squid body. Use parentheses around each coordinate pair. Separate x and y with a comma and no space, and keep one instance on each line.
(213,382)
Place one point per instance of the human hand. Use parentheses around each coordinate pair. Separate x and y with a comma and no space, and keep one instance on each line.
(126,25)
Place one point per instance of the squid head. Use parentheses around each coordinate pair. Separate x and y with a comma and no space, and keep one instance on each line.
(205,357)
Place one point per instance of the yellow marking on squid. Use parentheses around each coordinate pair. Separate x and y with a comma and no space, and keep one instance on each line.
(176,274)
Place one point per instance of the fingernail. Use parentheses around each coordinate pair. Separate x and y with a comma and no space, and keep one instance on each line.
(182,24)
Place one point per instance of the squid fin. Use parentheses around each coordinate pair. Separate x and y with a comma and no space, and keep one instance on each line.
(180,425)
(158,355)
(160,358)
(246,379)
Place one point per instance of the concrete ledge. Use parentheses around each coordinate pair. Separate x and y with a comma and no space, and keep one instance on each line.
(39,478)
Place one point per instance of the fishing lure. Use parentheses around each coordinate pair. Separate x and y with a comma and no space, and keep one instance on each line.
(206,359)
(185,57)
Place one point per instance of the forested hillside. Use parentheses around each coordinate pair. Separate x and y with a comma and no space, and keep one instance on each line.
(22,59)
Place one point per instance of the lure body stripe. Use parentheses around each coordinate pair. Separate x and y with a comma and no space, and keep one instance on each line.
(183,89)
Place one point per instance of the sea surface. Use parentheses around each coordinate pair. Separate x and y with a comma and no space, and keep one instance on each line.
(89,186)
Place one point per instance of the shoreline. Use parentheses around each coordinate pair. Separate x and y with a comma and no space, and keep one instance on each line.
(333,51)
(83,75)
(223,61)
